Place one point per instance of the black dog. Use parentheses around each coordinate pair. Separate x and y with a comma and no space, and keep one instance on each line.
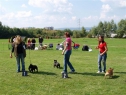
(56,64)
(32,68)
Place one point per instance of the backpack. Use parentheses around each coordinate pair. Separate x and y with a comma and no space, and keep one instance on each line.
(85,48)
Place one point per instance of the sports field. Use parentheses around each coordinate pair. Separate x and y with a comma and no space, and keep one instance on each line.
(48,80)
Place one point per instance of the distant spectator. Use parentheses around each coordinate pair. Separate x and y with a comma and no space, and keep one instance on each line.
(58,47)
(40,41)
(14,39)
(33,43)
(29,44)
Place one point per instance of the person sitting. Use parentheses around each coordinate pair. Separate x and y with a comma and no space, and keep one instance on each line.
(58,47)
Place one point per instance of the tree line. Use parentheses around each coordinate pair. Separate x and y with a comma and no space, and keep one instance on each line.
(104,28)
(108,28)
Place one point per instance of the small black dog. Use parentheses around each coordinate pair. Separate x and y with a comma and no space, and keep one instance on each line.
(32,68)
(56,64)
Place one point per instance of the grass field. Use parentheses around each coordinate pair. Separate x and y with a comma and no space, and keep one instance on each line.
(48,80)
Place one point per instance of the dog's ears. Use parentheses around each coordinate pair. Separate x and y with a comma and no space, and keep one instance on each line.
(111,68)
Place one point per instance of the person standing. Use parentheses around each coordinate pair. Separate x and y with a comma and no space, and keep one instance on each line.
(67,52)
(29,44)
(19,52)
(33,43)
(102,56)
(40,41)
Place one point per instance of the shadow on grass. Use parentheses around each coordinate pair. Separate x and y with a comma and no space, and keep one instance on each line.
(90,74)
(120,72)
(44,73)
(96,74)
(59,68)
(113,77)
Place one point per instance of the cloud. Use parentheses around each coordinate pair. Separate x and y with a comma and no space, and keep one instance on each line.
(105,9)
(2,9)
(90,18)
(118,3)
(74,18)
(116,18)
(14,16)
(23,6)
(23,14)
(123,3)
(60,6)
(107,0)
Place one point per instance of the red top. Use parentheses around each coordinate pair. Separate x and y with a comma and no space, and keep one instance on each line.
(29,42)
(102,46)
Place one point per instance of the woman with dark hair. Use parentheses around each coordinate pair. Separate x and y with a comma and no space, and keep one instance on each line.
(102,46)
(67,52)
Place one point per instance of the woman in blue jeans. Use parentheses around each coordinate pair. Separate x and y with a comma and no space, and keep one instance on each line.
(67,52)
(102,46)
(19,52)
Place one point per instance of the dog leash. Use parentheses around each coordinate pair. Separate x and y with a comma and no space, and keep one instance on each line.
(29,56)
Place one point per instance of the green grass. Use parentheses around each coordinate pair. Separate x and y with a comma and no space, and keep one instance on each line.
(49,82)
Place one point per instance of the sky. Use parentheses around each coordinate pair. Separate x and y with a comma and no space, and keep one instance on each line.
(60,13)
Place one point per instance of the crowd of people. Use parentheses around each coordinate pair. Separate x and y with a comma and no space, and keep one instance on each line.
(32,42)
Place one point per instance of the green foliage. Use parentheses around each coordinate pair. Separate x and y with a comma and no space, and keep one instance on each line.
(121,28)
(83,32)
(104,28)
(107,28)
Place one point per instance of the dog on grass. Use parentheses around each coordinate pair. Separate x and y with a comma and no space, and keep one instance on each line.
(56,64)
(32,68)
(109,73)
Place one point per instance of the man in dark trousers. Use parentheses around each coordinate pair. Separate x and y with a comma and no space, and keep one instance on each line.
(33,43)
(40,41)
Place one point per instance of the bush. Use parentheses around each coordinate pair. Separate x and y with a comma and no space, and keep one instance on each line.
(89,35)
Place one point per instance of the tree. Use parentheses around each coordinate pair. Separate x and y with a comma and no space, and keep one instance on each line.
(121,28)
(76,34)
(83,32)
(113,26)
(100,28)
(94,31)
(109,29)
(69,31)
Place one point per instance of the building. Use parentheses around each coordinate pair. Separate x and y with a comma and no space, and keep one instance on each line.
(49,28)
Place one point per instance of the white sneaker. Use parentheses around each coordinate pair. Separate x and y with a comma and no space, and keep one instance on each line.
(103,71)
(98,72)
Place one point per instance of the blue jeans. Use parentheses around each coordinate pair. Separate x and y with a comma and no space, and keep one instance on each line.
(19,58)
(102,58)
(66,61)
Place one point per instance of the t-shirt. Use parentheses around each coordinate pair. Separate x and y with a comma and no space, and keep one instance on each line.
(68,40)
(102,46)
